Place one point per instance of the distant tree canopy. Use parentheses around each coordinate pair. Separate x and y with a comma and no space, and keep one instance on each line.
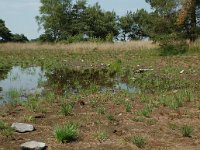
(5,33)
(7,36)
(174,18)
(65,20)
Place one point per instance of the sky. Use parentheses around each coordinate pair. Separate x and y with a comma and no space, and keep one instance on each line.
(19,15)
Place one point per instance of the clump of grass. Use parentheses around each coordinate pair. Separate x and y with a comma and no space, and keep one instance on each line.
(34,104)
(151,122)
(30,118)
(146,111)
(101,135)
(66,109)
(186,130)
(128,106)
(66,133)
(5,130)
(50,97)
(173,126)
(13,94)
(101,110)
(93,103)
(188,95)
(139,141)
(110,117)
(139,119)
(2,125)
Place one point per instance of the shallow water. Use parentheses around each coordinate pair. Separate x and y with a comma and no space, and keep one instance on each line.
(18,83)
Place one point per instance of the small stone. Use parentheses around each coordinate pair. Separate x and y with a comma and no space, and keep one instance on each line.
(22,127)
(33,145)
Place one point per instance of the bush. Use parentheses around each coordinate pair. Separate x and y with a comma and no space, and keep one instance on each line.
(67,133)
(170,45)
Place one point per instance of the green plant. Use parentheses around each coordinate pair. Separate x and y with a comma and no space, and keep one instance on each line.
(2,125)
(5,130)
(66,109)
(188,95)
(101,135)
(51,97)
(33,104)
(186,130)
(139,119)
(93,103)
(29,119)
(173,126)
(67,133)
(139,141)
(101,110)
(13,94)
(128,106)
(110,117)
(145,111)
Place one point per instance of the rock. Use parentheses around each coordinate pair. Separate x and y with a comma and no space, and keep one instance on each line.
(33,145)
(22,127)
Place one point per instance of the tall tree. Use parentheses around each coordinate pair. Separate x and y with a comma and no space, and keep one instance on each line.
(100,23)
(55,18)
(189,17)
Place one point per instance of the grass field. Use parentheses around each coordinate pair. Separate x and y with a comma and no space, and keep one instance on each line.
(74,112)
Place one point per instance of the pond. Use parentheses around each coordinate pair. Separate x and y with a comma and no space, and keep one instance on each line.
(19,83)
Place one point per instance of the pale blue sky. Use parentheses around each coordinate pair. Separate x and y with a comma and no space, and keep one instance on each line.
(19,15)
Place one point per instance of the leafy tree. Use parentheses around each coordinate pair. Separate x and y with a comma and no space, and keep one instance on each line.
(130,27)
(79,15)
(161,23)
(5,33)
(189,17)
(55,18)
(100,24)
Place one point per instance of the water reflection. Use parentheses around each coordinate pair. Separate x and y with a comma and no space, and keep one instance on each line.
(76,80)
(21,82)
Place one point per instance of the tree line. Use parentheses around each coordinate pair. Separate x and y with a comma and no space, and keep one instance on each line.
(66,20)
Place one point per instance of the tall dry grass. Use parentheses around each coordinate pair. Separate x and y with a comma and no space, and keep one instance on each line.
(79,47)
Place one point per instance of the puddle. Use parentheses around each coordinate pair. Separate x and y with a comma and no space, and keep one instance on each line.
(18,83)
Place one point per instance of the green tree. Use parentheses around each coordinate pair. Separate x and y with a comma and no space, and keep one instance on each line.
(161,23)
(130,27)
(189,18)
(55,18)
(5,33)
(99,23)
(19,38)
